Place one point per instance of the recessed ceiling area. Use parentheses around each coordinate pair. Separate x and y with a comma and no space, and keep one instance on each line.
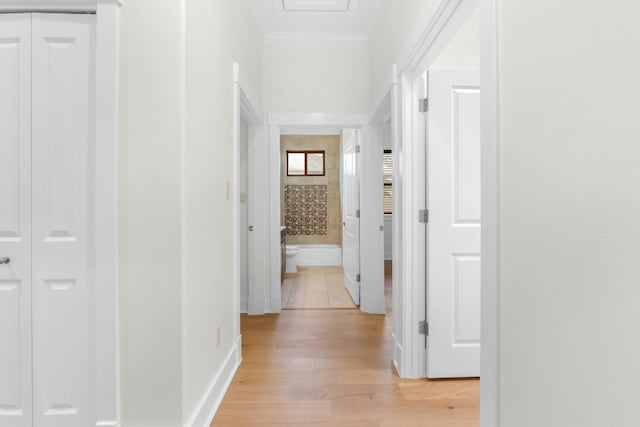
(283,17)
(315,5)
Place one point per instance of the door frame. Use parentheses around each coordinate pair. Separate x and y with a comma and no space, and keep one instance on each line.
(437,26)
(246,107)
(302,124)
(105,203)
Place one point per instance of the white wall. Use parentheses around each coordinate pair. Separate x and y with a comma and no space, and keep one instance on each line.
(393,35)
(570,201)
(463,51)
(150,215)
(218,33)
(175,220)
(303,76)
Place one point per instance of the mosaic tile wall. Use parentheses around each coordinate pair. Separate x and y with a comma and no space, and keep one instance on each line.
(305,210)
(329,229)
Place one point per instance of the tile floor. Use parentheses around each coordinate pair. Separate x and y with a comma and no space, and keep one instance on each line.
(315,288)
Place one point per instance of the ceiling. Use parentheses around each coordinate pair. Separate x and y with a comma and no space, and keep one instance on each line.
(283,18)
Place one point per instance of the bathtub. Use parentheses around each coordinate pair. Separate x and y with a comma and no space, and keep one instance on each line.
(319,255)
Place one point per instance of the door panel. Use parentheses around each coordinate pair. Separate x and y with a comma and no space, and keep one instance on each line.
(15,220)
(62,283)
(350,207)
(453,194)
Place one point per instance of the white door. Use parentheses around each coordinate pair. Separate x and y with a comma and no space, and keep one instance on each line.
(63,109)
(46,108)
(453,199)
(15,220)
(351,213)
(257,293)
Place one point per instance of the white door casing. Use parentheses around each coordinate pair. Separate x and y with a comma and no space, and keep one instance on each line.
(15,220)
(453,254)
(350,209)
(372,299)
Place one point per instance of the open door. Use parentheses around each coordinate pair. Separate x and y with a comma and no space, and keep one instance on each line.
(351,213)
(453,242)
(257,296)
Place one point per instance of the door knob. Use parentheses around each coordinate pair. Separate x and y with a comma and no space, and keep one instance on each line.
(5,260)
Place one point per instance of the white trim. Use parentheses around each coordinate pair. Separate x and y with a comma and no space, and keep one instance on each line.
(244,305)
(107,404)
(398,351)
(316,37)
(55,5)
(211,400)
(490,155)
(275,278)
(276,121)
(311,130)
(245,107)
(250,105)
(412,236)
(372,292)
(318,119)
(435,28)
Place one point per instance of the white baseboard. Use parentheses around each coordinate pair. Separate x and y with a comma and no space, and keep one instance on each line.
(206,409)
(388,256)
(397,354)
(275,302)
(107,424)
(244,305)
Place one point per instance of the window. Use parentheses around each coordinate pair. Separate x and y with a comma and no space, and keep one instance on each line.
(305,163)
(387,179)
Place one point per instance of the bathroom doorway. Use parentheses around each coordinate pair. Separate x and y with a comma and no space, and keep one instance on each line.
(311,217)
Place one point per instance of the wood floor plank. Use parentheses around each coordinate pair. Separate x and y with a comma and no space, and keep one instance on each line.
(331,368)
(315,369)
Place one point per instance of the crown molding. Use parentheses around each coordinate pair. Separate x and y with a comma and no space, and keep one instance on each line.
(291,36)
(55,5)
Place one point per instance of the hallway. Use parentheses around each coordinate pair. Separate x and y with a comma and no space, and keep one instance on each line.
(333,368)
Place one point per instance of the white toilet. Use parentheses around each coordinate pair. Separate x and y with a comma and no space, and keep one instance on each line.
(292,252)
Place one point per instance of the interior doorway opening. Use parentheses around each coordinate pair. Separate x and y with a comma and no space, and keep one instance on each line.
(311,218)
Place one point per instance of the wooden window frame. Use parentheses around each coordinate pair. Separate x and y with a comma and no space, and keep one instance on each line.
(307,152)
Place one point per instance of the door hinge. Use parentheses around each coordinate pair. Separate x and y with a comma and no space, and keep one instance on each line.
(358,277)
(357,213)
(423,327)
(357,149)
(423,105)
(423,216)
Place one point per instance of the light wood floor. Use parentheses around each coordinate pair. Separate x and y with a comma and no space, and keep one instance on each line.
(315,287)
(332,368)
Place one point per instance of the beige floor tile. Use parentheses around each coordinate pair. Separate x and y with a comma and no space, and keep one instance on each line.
(316,288)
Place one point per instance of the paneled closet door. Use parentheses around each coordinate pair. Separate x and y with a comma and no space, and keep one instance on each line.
(15,220)
(63,137)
